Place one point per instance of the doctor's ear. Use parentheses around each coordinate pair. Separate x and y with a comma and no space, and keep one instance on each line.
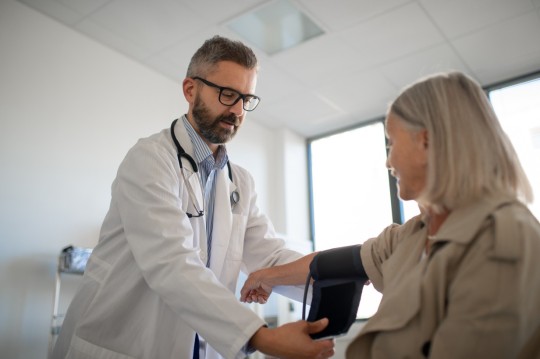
(188,87)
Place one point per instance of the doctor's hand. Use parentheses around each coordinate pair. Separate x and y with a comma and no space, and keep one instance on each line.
(292,341)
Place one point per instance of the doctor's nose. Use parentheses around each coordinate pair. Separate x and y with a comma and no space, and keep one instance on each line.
(238,108)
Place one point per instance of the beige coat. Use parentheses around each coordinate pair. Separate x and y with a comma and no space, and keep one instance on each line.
(477,294)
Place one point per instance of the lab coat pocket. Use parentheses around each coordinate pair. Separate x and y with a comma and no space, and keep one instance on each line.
(236,244)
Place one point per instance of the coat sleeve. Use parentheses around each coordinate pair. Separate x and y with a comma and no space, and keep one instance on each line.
(375,251)
(160,237)
(262,247)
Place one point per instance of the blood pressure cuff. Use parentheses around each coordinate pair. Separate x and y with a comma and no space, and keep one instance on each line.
(337,300)
(342,262)
(339,279)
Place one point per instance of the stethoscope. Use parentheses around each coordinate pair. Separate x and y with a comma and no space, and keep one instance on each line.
(235,196)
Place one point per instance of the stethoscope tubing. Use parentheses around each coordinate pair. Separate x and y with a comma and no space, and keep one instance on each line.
(180,152)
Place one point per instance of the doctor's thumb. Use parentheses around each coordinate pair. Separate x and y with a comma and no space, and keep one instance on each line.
(315,327)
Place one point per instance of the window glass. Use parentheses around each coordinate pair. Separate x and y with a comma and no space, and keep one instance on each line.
(518,109)
(351,196)
(409,209)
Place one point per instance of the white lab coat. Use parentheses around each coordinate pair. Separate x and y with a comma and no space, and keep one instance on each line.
(146,290)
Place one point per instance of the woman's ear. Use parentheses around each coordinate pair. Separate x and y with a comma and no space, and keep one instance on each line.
(424,138)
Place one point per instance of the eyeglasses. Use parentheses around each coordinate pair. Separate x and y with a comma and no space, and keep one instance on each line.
(229,97)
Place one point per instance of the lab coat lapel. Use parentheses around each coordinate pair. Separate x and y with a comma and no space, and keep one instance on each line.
(194,181)
(199,224)
(223,221)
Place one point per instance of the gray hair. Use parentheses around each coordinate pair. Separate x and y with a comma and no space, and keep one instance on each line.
(469,154)
(219,49)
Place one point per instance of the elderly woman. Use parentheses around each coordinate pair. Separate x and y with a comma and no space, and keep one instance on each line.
(461,280)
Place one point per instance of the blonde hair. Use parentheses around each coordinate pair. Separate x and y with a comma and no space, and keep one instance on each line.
(469,154)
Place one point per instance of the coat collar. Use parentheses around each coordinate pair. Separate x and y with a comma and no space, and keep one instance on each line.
(462,224)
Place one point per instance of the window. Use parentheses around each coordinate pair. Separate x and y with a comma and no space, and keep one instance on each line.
(518,107)
(351,193)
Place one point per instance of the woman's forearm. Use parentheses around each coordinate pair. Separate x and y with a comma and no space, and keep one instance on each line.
(259,284)
(293,273)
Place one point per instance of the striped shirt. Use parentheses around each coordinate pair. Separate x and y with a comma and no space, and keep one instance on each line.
(208,167)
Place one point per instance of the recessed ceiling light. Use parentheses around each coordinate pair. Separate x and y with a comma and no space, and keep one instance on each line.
(275,27)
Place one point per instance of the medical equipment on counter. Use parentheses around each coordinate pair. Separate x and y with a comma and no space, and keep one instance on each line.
(72,260)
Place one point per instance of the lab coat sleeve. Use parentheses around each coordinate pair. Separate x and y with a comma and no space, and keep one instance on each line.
(160,237)
(262,248)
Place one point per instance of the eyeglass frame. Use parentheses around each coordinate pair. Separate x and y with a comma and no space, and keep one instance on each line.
(240,95)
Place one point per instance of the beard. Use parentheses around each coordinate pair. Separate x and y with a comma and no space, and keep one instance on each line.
(209,128)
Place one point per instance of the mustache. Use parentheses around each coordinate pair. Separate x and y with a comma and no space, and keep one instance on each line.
(230,119)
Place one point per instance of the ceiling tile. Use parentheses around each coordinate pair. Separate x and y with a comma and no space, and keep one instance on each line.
(341,14)
(314,66)
(174,60)
(295,110)
(112,40)
(152,26)
(222,10)
(274,84)
(506,45)
(83,7)
(436,59)
(359,91)
(55,10)
(459,17)
(387,37)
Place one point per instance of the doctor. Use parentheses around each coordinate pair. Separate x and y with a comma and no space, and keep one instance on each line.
(182,222)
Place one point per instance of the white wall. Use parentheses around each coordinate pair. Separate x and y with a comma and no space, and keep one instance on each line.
(69,110)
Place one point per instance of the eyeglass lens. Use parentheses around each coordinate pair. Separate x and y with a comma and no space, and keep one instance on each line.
(229,97)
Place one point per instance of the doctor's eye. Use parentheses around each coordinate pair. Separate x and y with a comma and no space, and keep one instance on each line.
(229,95)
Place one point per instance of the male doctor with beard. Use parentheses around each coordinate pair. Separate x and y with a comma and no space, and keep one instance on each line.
(182,223)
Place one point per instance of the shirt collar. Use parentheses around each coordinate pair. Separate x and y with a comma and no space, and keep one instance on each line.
(202,152)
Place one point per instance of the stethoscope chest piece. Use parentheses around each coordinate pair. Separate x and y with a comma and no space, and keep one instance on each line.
(235,197)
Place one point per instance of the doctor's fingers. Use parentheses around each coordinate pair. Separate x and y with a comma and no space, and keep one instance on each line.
(325,349)
(327,354)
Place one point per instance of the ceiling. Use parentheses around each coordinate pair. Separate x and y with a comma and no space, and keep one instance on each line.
(369,51)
